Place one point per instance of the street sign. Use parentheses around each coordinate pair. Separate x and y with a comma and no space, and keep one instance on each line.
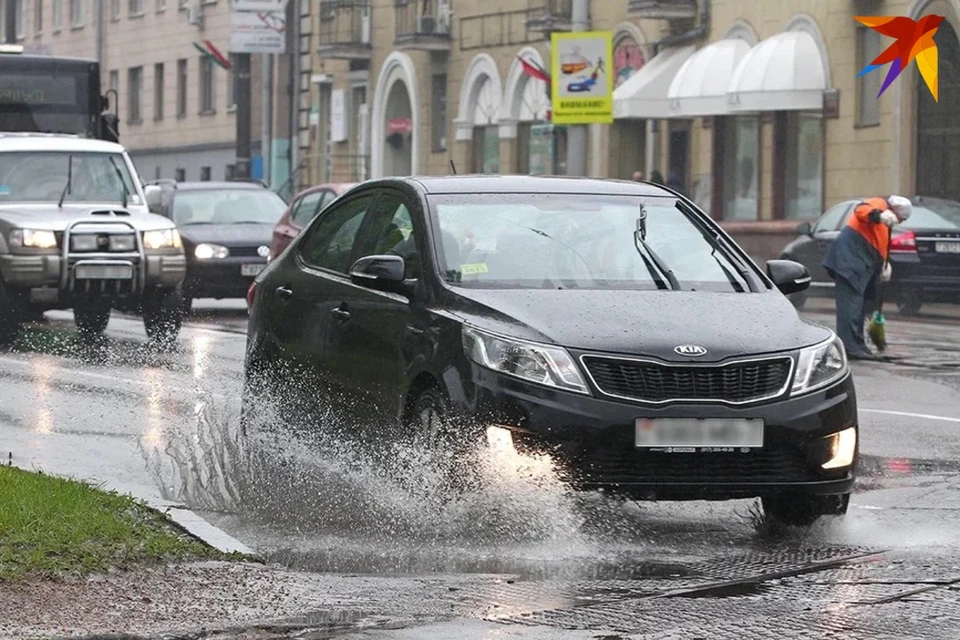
(258,5)
(257,32)
(582,77)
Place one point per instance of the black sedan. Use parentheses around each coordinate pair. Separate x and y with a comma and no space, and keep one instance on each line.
(611,325)
(226,228)
(924,254)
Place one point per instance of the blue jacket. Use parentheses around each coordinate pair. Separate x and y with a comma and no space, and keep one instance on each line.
(854,259)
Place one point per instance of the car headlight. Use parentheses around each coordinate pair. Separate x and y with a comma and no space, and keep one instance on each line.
(34,238)
(542,364)
(206,251)
(820,365)
(162,239)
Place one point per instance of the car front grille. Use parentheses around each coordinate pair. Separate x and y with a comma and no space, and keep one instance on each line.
(646,381)
(244,252)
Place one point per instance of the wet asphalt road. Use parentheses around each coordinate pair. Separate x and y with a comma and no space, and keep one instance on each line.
(522,555)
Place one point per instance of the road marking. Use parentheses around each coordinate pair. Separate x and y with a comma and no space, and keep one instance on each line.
(905,414)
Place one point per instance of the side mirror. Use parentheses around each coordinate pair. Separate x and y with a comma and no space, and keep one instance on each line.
(788,276)
(804,229)
(154,197)
(383,273)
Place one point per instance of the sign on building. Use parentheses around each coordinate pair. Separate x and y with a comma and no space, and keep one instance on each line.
(338,116)
(582,77)
(258,32)
(258,5)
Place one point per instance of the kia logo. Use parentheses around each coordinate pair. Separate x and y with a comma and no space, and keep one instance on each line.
(691,350)
(263,251)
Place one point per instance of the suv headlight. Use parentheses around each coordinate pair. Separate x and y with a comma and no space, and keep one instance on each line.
(33,238)
(162,239)
(541,364)
(820,365)
(206,251)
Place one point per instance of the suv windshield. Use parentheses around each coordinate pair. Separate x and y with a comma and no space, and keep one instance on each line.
(578,242)
(44,176)
(227,206)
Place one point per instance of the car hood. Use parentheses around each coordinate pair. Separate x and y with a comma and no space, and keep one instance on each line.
(643,323)
(228,235)
(50,216)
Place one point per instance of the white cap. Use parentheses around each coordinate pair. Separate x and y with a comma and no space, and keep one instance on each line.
(901,206)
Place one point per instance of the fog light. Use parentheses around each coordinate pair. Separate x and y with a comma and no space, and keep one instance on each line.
(122,243)
(842,448)
(499,438)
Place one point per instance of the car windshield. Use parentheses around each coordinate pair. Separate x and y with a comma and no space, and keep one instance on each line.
(45,176)
(933,214)
(227,206)
(575,242)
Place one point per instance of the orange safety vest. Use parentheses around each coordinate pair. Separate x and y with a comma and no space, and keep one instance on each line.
(876,233)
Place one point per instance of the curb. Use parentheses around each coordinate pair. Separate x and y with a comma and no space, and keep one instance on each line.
(202,530)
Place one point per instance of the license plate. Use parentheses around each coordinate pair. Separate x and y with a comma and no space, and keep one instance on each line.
(251,269)
(103,272)
(948,247)
(686,434)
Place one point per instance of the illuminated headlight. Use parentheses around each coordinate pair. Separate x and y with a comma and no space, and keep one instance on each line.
(162,239)
(541,364)
(210,251)
(820,365)
(122,243)
(843,445)
(33,238)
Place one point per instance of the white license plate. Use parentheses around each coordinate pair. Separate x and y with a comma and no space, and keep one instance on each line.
(251,269)
(693,434)
(948,247)
(103,272)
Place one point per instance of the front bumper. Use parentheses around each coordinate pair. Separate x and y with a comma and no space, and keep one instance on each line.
(221,278)
(592,439)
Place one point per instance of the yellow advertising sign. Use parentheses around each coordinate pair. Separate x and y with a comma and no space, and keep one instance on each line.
(581,85)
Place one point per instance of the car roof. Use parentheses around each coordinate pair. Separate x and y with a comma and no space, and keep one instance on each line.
(338,187)
(223,184)
(11,141)
(535,184)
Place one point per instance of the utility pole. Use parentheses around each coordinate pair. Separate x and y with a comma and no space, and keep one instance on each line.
(577,134)
(244,124)
(266,119)
(10,20)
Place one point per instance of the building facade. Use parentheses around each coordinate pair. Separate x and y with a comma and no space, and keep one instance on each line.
(755,106)
(176,105)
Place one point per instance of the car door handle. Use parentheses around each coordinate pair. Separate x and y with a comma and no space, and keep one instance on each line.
(341,314)
(284,293)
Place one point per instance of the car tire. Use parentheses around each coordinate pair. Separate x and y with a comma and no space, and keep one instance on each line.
(163,314)
(91,318)
(432,426)
(803,511)
(9,320)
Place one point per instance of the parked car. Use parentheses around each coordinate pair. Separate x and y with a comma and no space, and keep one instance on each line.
(610,324)
(76,233)
(925,253)
(303,208)
(226,230)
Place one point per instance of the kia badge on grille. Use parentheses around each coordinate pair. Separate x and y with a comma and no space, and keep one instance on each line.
(691,350)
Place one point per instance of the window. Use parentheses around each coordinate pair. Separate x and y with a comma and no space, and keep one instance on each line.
(328,197)
(115,9)
(115,80)
(136,7)
(207,86)
(229,172)
(161,5)
(868,85)
(831,220)
(803,165)
(158,97)
(38,18)
(76,13)
(180,175)
(439,121)
(391,233)
(331,239)
(204,174)
(94,177)
(181,88)
(232,83)
(741,170)
(135,94)
(57,11)
(486,150)
(19,18)
(307,208)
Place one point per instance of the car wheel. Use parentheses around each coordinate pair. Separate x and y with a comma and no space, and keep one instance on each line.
(803,511)
(432,427)
(910,305)
(9,321)
(91,318)
(163,314)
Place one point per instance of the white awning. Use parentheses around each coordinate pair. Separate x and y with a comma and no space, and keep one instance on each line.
(700,86)
(644,94)
(783,73)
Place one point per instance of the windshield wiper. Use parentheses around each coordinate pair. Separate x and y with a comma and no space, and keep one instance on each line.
(640,242)
(716,241)
(126,192)
(66,187)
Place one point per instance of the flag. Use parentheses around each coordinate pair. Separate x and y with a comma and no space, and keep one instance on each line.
(534,70)
(209,51)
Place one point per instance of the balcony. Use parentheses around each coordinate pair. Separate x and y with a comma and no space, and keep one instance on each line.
(423,24)
(662,9)
(547,16)
(344,29)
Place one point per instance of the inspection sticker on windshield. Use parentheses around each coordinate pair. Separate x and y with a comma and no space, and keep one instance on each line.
(476,267)
(680,435)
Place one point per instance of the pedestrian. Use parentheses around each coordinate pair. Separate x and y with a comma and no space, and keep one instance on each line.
(656,177)
(638,176)
(858,261)
(674,182)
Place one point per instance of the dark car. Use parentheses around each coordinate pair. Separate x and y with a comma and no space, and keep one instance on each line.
(924,255)
(611,325)
(304,206)
(226,229)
